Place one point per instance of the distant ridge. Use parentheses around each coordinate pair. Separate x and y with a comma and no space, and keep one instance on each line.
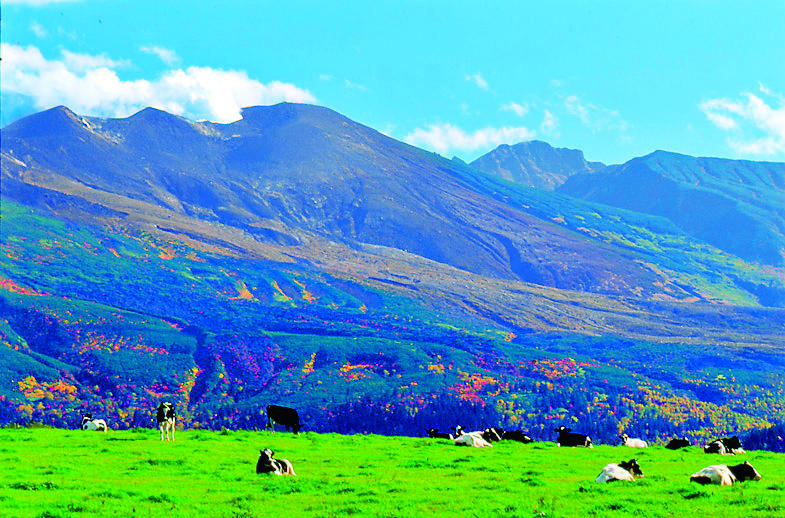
(535,164)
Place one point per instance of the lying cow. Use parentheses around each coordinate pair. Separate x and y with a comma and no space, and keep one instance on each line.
(567,438)
(626,471)
(267,464)
(517,435)
(492,434)
(433,433)
(284,416)
(165,418)
(487,435)
(626,440)
(724,446)
(471,439)
(677,444)
(88,423)
(724,475)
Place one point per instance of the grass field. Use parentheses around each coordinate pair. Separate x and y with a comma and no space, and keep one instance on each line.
(52,473)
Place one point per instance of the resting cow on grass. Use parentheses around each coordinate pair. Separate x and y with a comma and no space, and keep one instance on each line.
(88,423)
(567,438)
(433,433)
(471,439)
(677,444)
(626,440)
(165,418)
(267,464)
(723,475)
(626,471)
(284,416)
(724,446)
(517,435)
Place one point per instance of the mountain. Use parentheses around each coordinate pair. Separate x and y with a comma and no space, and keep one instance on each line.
(736,205)
(535,164)
(298,257)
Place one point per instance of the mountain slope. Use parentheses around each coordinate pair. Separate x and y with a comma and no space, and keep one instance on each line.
(535,164)
(736,205)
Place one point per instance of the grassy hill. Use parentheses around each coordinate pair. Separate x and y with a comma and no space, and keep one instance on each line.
(55,473)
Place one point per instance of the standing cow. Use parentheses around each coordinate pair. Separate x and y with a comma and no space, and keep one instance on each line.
(166,419)
(284,416)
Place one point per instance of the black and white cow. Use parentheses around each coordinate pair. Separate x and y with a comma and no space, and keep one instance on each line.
(568,438)
(724,446)
(626,471)
(677,444)
(723,475)
(433,433)
(267,464)
(166,419)
(628,441)
(284,416)
(517,435)
(492,434)
(88,423)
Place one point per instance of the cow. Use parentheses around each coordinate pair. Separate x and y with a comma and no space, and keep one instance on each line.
(517,435)
(267,464)
(626,471)
(471,439)
(166,419)
(568,438)
(88,423)
(677,444)
(492,434)
(626,440)
(724,475)
(724,446)
(433,433)
(488,435)
(732,444)
(283,416)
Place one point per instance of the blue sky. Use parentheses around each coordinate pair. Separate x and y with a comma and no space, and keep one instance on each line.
(615,79)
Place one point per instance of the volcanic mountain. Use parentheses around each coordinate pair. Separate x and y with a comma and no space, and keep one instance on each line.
(535,164)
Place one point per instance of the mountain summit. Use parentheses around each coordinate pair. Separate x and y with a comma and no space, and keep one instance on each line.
(535,164)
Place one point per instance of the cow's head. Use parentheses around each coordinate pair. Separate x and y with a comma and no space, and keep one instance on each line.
(744,472)
(266,455)
(732,443)
(458,430)
(87,417)
(624,437)
(632,466)
(561,429)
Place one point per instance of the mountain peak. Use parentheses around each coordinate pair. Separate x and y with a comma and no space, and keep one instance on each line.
(535,163)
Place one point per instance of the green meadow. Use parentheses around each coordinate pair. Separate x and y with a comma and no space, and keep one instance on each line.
(59,473)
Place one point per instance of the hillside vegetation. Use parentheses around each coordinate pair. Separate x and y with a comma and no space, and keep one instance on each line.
(55,473)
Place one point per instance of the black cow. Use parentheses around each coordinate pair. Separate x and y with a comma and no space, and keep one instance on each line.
(677,444)
(567,438)
(284,416)
(267,464)
(724,446)
(517,435)
(433,433)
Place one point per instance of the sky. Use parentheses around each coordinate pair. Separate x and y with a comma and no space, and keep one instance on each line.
(614,79)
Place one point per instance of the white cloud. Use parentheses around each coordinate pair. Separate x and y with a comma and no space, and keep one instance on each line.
(354,86)
(38,30)
(519,109)
(594,116)
(91,85)
(478,80)
(749,115)
(549,124)
(446,137)
(168,56)
(37,3)
(325,77)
